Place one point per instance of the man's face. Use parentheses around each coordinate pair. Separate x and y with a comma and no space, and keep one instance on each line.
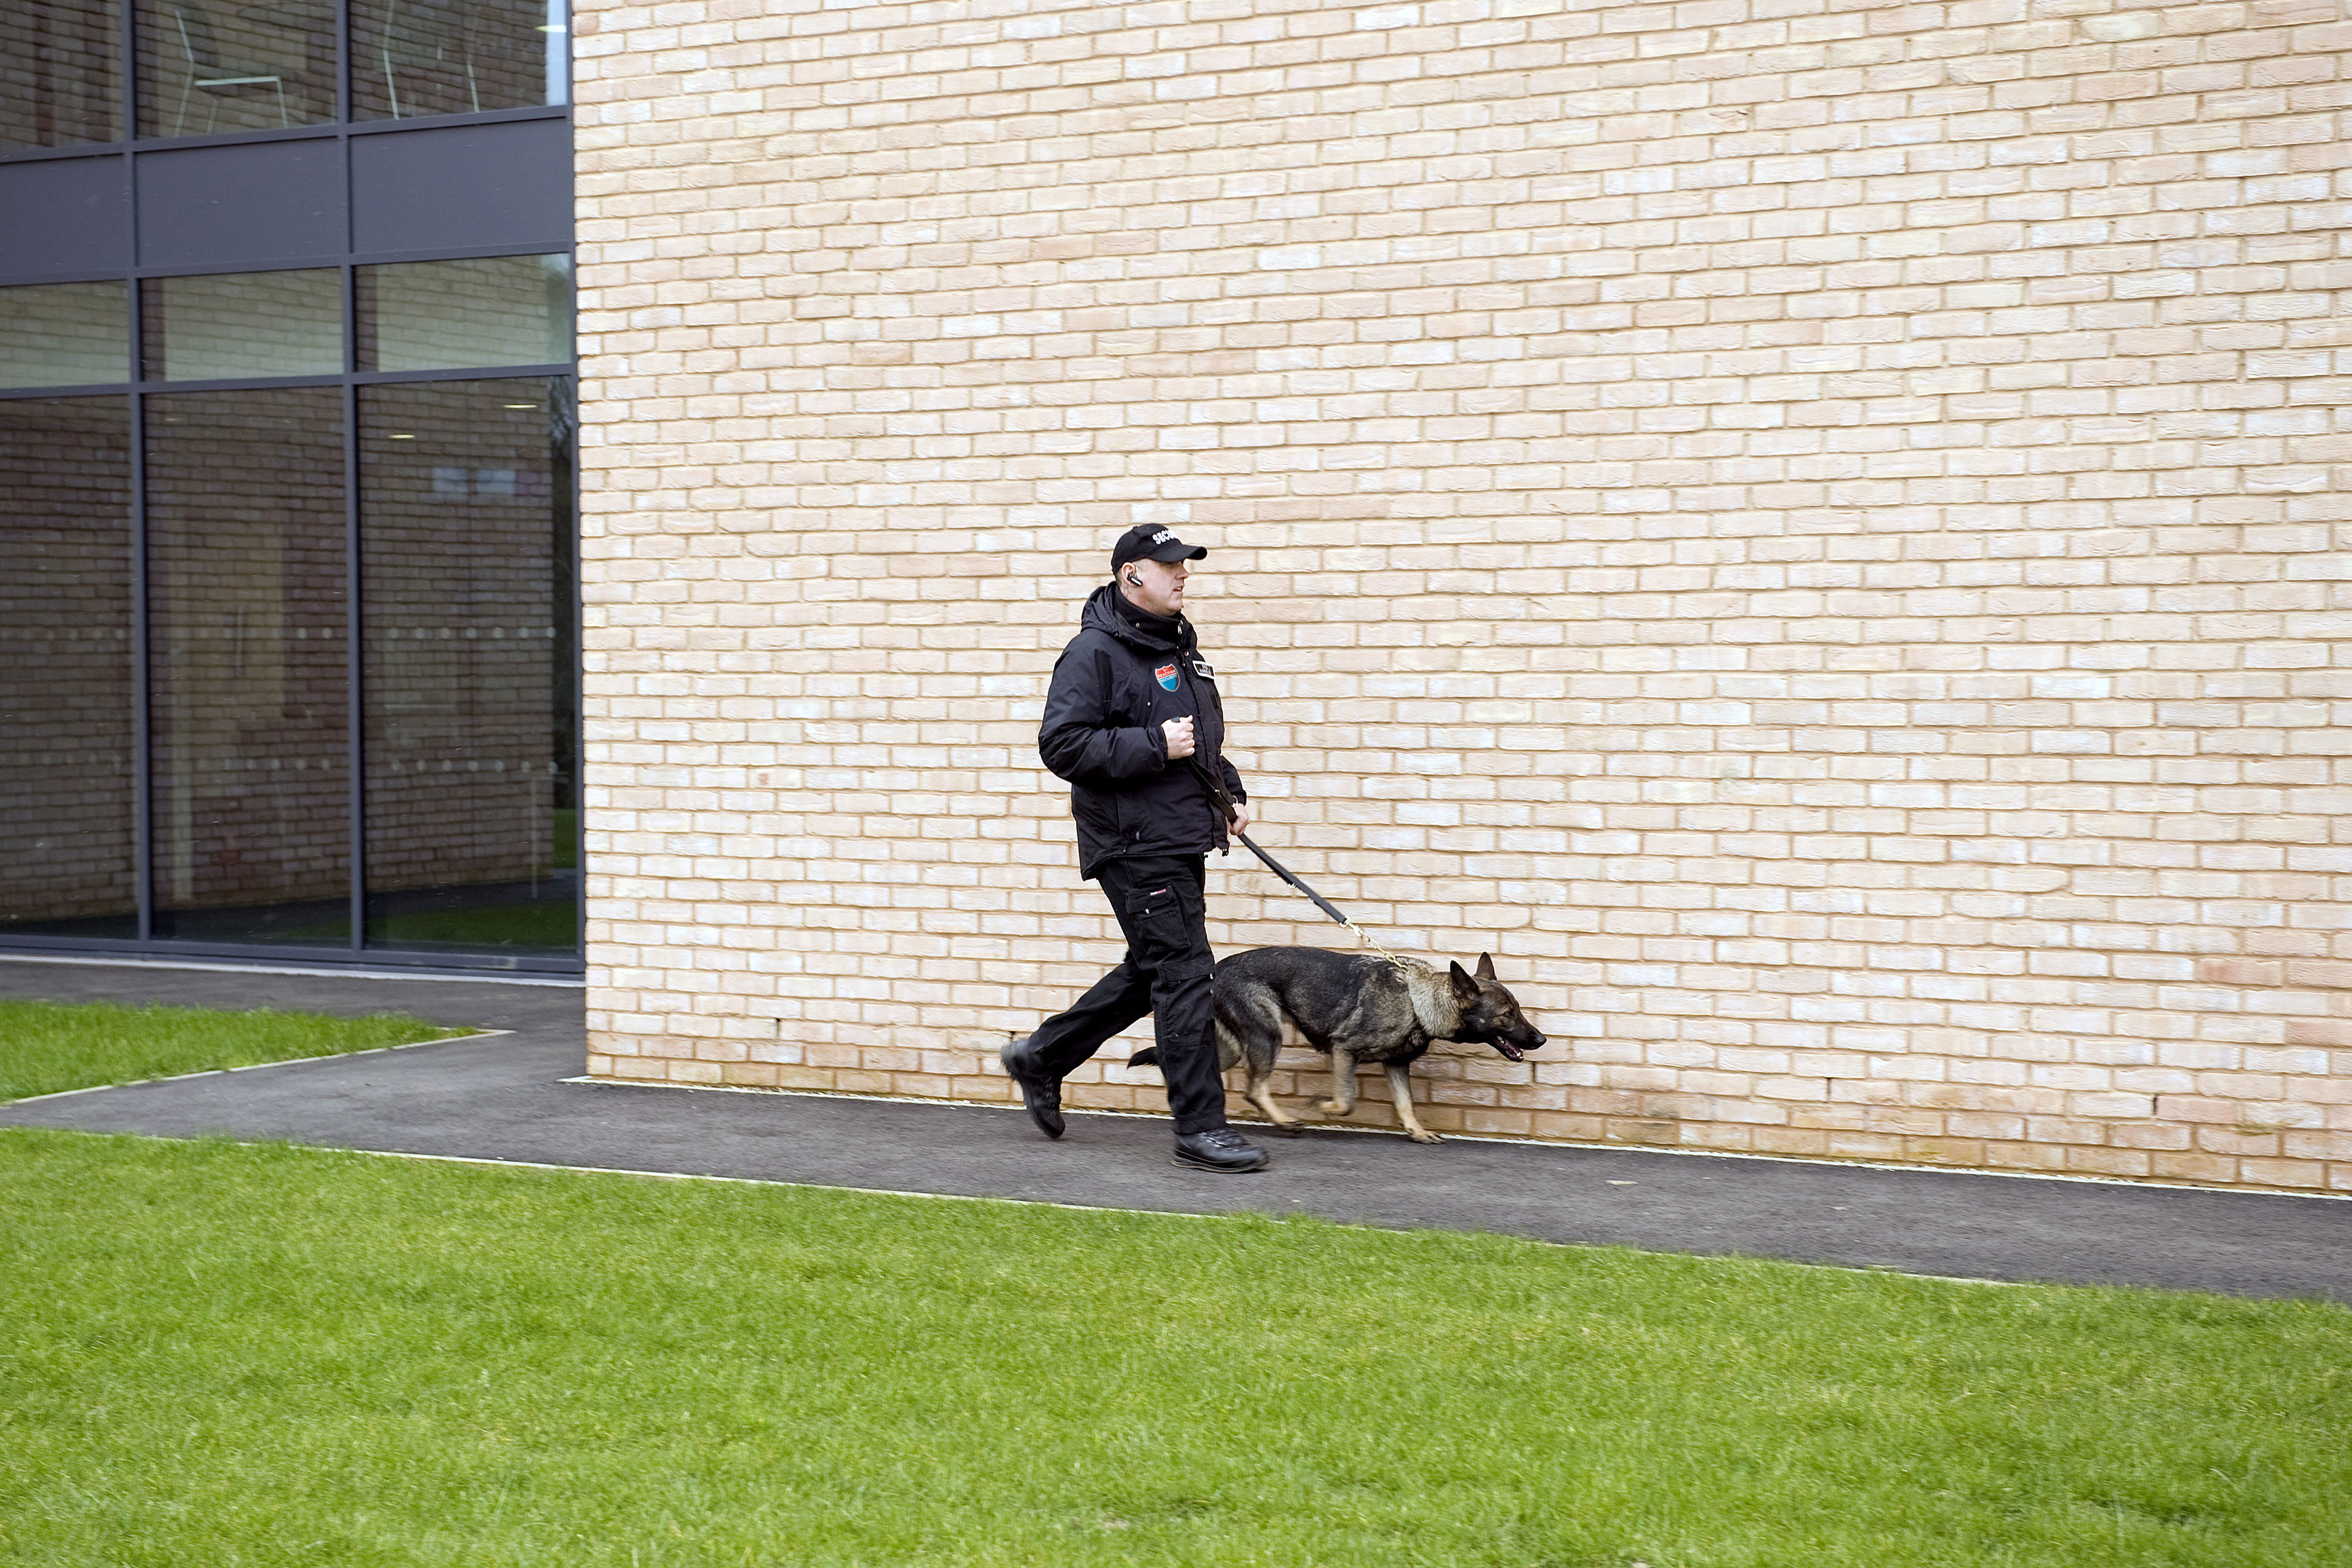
(1157,587)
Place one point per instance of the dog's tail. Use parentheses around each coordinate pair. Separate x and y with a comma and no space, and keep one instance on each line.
(1148,1057)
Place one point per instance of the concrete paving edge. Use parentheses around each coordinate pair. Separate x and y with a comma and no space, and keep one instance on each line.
(316,970)
(1323,1127)
(1074,1208)
(256,1066)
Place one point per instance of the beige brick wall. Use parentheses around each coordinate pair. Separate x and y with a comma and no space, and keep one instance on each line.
(1814,532)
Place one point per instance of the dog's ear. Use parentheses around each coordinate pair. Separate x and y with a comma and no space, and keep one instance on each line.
(1486,967)
(1464,988)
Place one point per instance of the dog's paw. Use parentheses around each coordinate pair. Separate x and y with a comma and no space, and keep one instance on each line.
(1286,1129)
(1329,1108)
(1424,1136)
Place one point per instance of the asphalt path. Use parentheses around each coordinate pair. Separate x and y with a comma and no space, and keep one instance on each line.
(518,1096)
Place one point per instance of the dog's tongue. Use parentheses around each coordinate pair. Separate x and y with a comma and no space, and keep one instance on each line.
(1510,1050)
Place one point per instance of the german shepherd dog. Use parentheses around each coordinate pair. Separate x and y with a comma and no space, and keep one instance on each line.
(1357,1008)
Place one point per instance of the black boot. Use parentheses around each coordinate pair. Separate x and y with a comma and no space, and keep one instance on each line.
(1219,1149)
(1040,1090)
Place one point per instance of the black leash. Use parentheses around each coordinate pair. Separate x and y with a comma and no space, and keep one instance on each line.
(1279,870)
(1222,798)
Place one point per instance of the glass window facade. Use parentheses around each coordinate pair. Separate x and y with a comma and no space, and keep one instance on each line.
(287,522)
(236,326)
(68,728)
(60,73)
(249,666)
(411,58)
(358,654)
(438,315)
(220,67)
(206,66)
(64,334)
(343,611)
(472,819)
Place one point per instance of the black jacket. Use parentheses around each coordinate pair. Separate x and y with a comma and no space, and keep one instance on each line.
(1114,685)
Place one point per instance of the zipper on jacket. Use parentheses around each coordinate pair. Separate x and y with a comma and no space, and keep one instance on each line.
(1184,661)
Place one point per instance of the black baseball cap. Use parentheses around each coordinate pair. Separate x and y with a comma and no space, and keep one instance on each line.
(1151,538)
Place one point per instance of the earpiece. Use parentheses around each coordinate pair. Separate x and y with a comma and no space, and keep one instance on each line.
(1133,580)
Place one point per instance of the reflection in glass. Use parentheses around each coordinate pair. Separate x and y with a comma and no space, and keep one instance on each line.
(64,334)
(411,58)
(66,807)
(449,315)
(234,325)
(465,561)
(209,66)
(248,716)
(60,73)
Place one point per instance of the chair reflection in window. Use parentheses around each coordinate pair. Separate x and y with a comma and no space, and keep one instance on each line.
(208,73)
(433,42)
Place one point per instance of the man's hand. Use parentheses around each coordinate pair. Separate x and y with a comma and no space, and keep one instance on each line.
(1178,734)
(1240,819)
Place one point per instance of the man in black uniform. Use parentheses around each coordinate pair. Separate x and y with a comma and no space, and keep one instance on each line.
(1132,721)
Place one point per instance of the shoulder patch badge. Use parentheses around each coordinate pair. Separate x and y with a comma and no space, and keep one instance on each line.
(1166,674)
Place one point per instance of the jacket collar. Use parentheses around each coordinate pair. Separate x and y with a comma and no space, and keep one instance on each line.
(1106,610)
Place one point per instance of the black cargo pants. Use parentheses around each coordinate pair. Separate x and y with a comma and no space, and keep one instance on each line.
(1162,908)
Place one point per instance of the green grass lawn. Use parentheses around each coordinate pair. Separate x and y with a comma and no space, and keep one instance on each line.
(47,1047)
(218,1354)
